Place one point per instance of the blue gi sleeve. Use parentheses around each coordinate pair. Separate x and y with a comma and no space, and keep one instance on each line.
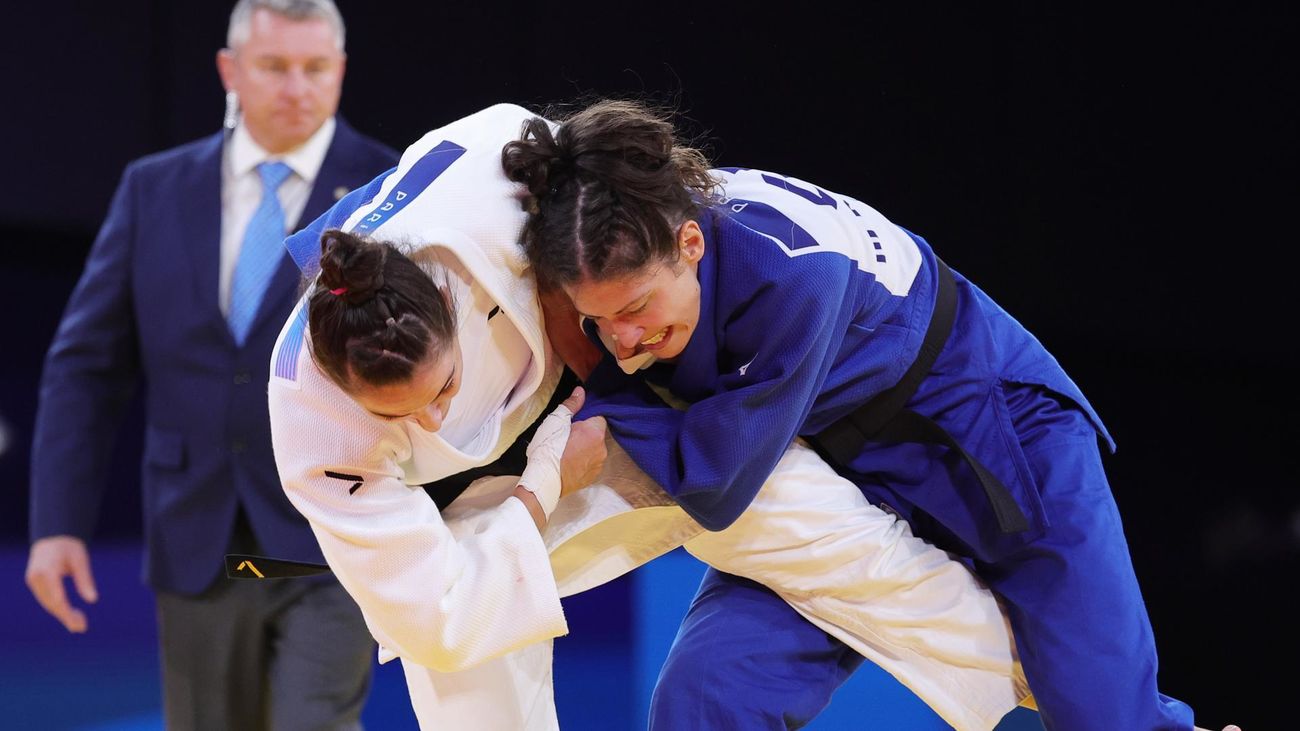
(779,335)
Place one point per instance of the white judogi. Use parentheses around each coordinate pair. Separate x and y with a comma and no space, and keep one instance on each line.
(468,598)
(444,596)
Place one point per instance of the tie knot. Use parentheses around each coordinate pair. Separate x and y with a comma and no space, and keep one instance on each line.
(273,174)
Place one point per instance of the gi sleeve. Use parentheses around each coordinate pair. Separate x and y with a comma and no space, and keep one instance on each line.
(442,598)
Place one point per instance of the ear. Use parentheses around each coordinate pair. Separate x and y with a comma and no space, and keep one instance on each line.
(226,68)
(690,240)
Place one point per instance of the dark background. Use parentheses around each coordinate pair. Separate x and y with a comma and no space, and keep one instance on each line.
(1121,180)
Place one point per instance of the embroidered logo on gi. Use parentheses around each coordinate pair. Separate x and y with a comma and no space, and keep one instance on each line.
(346,478)
(747,365)
(422,173)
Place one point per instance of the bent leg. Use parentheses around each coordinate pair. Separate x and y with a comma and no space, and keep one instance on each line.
(743,659)
(859,574)
(1074,602)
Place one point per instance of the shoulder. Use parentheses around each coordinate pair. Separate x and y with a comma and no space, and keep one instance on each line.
(808,226)
(759,245)
(316,419)
(758,278)
(177,160)
(300,392)
(500,113)
(486,130)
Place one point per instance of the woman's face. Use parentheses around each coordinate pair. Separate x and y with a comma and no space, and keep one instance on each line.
(424,399)
(653,310)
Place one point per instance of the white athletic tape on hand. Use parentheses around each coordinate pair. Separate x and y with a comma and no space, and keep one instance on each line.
(542,475)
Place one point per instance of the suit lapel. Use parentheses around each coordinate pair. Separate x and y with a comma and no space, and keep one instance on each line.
(202,234)
(334,172)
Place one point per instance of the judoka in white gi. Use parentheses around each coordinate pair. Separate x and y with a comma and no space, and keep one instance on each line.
(467,597)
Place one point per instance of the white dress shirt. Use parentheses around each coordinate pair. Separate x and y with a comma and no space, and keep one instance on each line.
(241,191)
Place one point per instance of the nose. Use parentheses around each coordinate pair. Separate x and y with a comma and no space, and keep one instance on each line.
(295,82)
(431,418)
(627,334)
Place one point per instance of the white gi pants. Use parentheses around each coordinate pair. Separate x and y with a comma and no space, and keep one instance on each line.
(853,570)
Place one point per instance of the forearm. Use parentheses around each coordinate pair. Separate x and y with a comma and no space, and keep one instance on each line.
(534,507)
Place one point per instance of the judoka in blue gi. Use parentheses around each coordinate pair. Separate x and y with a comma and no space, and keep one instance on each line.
(779,310)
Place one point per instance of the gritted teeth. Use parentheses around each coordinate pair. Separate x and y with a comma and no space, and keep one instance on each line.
(657,337)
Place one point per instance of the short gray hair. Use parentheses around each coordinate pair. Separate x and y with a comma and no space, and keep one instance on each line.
(242,16)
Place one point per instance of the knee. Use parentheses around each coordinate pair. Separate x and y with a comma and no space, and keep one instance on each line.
(692,695)
(675,689)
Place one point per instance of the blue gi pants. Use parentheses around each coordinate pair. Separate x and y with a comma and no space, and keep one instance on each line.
(742,660)
(1077,614)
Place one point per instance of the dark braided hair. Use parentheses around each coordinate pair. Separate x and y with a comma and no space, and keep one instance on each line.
(375,314)
(607,191)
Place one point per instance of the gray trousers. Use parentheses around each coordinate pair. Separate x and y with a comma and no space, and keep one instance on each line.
(274,655)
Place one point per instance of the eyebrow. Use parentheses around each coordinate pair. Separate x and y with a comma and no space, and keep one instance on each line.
(624,308)
(450,378)
(388,416)
(441,391)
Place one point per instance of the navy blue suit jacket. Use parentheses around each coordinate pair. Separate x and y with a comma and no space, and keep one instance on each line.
(145,311)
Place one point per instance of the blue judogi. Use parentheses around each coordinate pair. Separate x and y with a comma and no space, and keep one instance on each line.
(812,303)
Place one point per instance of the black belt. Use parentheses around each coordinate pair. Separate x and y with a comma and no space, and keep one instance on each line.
(883,418)
(443,492)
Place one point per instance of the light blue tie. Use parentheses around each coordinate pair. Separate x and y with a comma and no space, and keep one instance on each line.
(260,255)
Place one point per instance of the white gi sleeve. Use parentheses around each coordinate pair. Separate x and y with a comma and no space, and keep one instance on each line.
(446,599)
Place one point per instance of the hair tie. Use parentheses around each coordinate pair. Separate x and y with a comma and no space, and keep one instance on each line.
(340,291)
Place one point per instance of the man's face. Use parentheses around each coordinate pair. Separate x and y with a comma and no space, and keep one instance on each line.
(288,76)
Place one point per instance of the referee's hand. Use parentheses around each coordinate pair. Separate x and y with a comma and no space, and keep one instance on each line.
(51,559)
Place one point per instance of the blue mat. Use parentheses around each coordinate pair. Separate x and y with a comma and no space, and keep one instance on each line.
(107,679)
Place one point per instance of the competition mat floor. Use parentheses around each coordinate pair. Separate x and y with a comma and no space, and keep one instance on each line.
(107,679)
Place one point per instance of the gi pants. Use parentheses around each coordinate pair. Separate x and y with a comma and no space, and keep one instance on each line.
(846,567)
(1069,589)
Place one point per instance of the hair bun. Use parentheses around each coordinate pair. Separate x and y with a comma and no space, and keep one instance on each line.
(537,160)
(350,266)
